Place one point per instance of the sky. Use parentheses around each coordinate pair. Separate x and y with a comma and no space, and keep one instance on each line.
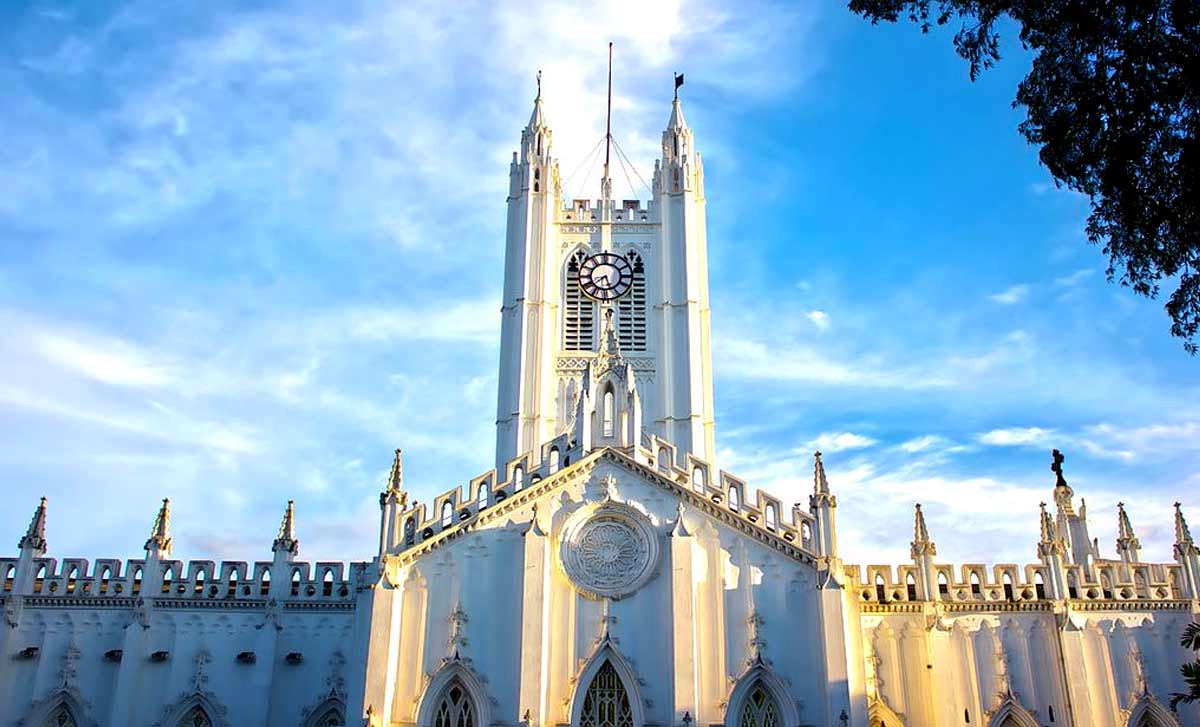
(248,249)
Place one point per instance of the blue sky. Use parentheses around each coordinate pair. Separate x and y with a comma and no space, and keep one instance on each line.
(247,249)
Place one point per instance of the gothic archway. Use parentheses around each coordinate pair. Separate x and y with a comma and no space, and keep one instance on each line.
(760,699)
(606,693)
(455,697)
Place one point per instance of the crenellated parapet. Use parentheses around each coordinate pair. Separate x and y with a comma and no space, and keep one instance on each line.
(1079,578)
(160,580)
(464,507)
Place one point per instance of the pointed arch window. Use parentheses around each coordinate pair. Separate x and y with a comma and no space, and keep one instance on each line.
(760,709)
(485,489)
(196,717)
(697,479)
(61,717)
(447,514)
(631,308)
(579,311)
(553,460)
(454,708)
(518,479)
(606,703)
(770,517)
(331,718)
(608,412)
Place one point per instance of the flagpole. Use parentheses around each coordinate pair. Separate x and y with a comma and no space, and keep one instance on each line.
(608,120)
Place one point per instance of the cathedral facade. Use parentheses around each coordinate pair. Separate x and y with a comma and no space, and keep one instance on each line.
(605,573)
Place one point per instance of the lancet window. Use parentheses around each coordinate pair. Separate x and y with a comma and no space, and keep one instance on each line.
(631,309)
(760,709)
(579,311)
(608,413)
(454,707)
(606,703)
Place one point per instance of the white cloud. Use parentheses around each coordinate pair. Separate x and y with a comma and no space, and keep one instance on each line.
(102,359)
(819,318)
(1011,296)
(839,441)
(1016,436)
(920,444)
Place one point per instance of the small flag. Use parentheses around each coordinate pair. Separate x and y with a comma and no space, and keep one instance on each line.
(678,80)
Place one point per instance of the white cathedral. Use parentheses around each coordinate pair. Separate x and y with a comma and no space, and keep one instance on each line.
(605,573)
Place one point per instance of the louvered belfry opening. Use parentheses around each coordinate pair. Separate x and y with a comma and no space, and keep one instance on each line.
(631,309)
(579,329)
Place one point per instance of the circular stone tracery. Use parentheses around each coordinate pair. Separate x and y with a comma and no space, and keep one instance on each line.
(609,552)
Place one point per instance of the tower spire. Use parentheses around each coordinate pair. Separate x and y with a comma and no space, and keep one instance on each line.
(160,534)
(35,534)
(286,541)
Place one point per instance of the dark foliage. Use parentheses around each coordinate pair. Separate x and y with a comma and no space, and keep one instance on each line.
(1190,670)
(1112,102)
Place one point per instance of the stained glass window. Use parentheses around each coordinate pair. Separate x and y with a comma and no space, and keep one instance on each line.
(606,703)
(760,709)
(454,709)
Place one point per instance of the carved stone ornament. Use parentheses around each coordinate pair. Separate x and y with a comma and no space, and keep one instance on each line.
(608,550)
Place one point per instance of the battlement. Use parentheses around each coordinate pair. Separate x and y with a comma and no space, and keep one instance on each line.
(196,579)
(721,491)
(978,585)
(594,210)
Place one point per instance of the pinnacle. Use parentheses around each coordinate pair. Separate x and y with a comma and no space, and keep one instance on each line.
(286,540)
(820,483)
(160,534)
(396,478)
(35,535)
(1183,536)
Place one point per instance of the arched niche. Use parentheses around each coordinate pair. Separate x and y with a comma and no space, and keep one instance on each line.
(605,664)
(455,674)
(756,692)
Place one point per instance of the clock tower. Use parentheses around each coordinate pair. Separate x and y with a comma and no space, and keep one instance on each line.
(569,264)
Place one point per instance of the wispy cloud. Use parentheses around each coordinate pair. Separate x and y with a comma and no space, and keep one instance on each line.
(1016,436)
(1011,296)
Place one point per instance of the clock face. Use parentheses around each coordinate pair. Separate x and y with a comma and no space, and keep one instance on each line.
(605,276)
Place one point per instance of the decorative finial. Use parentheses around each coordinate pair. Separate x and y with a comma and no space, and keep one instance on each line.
(539,85)
(286,540)
(35,534)
(160,534)
(1127,542)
